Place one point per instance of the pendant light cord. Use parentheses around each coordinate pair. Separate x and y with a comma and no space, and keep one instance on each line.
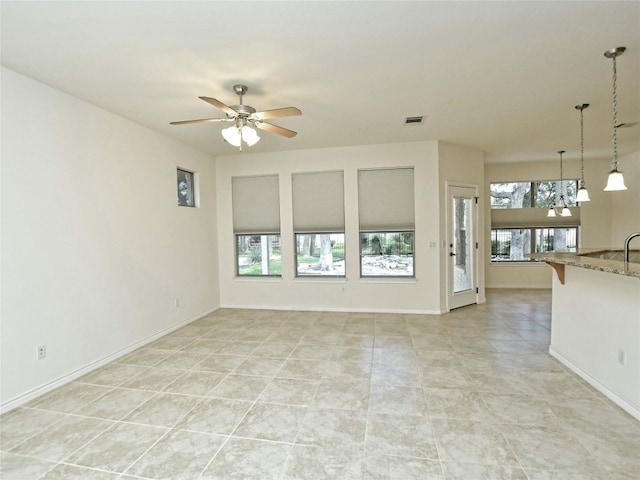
(615,115)
(581,148)
(562,199)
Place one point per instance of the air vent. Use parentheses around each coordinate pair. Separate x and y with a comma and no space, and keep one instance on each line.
(413,120)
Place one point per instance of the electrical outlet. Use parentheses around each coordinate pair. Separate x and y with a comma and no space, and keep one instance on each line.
(42,352)
(622,356)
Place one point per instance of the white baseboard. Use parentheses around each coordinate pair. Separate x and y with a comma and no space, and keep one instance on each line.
(626,406)
(307,308)
(511,286)
(69,377)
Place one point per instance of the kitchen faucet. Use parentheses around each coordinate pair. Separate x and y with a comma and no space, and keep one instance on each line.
(626,245)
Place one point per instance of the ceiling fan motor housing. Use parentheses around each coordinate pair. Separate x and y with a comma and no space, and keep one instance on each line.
(243,110)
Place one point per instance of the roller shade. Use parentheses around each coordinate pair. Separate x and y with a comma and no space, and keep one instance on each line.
(256,204)
(386,200)
(532,217)
(318,202)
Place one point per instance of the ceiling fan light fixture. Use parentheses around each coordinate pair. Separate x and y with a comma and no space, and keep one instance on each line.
(232,136)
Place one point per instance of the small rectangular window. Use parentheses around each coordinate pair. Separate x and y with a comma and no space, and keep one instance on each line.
(512,244)
(320,254)
(384,254)
(186,188)
(538,194)
(258,255)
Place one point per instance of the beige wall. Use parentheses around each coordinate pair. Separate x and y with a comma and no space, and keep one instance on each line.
(95,249)
(625,205)
(465,167)
(351,293)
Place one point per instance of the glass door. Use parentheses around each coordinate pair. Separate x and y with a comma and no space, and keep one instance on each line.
(462,243)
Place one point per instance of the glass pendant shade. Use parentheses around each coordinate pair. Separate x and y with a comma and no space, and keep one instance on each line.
(615,181)
(583,194)
(551,212)
(250,136)
(565,212)
(232,136)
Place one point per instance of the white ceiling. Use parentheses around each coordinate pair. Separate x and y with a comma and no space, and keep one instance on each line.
(502,77)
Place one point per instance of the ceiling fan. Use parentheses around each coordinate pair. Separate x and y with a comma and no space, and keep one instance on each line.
(244,118)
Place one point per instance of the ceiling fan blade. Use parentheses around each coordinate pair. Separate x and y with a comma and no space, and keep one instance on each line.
(202,120)
(276,112)
(218,104)
(269,127)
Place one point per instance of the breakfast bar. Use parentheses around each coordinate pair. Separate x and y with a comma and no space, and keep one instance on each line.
(595,326)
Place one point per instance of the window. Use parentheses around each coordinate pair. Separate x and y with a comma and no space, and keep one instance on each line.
(386,253)
(538,194)
(386,214)
(256,225)
(512,244)
(186,188)
(320,254)
(318,223)
(259,255)
(519,222)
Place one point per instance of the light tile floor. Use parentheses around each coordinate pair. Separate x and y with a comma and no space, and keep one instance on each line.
(243,394)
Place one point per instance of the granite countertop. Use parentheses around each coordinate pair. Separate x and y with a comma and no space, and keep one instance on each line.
(580,259)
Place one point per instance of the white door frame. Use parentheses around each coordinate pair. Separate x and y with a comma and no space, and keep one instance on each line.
(469,297)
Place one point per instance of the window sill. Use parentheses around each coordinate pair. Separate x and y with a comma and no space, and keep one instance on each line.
(320,279)
(387,280)
(258,278)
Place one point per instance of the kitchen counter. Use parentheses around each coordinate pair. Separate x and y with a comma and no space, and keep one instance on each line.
(591,260)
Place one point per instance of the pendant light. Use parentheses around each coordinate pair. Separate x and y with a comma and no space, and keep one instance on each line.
(583,194)
(561,209)
(616,180)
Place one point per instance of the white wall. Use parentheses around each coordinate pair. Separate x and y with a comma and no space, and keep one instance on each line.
(596,218)
(94,248)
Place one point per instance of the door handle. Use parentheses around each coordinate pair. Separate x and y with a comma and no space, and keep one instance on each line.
(451,254)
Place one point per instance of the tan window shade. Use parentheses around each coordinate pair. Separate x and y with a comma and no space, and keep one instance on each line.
(318,202)
(532,217)
(256,204)
(385,199)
